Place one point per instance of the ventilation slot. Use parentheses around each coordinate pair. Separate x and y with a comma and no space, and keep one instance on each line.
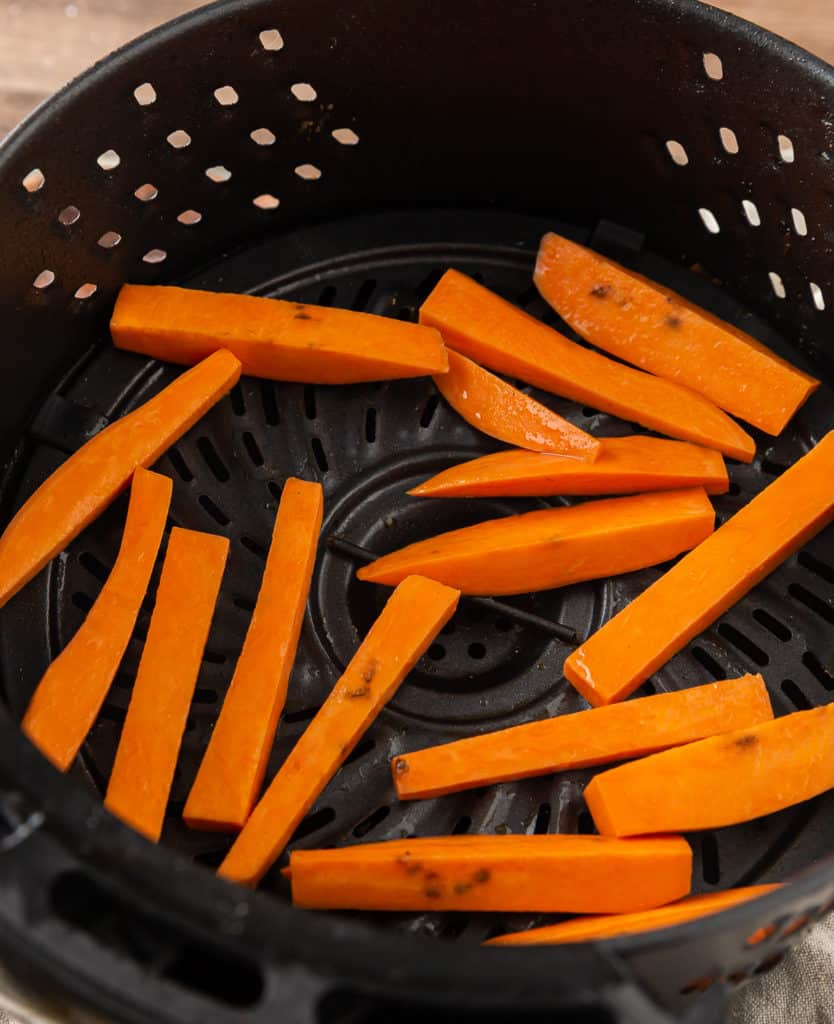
(795,695)
(319,454)
(542,822)
(743,643)
(428,412)
(814,565)
(237,400)
(371,822)
(270,404)
(772,625)
(310,410)
(82,601)
(252,450)
(811,601)
(94,567)
(709,663)
(818,670)
(437,652)
(370,425)
(710,864)
(180,465)
(212,459)
(302,715)
(364,295)
(216,513)
(362,749)
(254,547)
(585,824)
(328,295)
(426,286)
(313,822)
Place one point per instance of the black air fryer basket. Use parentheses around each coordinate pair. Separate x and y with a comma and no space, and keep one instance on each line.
(345,152)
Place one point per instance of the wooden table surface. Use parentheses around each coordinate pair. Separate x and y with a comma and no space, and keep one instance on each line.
(44,43)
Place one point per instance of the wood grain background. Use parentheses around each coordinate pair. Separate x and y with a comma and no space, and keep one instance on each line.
(44,43)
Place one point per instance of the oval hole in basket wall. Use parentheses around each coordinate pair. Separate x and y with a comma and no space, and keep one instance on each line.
(34,181)
(145,94)
(226,96)
(309,172)
(677,152)
(709,220)
(109,160)
(729,140)
(44,279)
(69,215)
(345,136)
(817,296)
(271,39)
(713,66)
(179,139)
(262,137)
(304,92)
(751,212)
(777,285)
(218,174)
(786,150)
(145,193)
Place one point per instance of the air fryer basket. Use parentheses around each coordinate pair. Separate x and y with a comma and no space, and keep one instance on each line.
(346,153)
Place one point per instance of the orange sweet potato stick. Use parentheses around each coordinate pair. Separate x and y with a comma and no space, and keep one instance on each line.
(496,334)
(273,338)
(718,781)
(502,411)
(703,585)
(147,754)
(607,926)
(548,873)
(415,613)
(586,738)
(232,770)
(83,486)
(658,330)
(68,698)
(554,547)
(625,465)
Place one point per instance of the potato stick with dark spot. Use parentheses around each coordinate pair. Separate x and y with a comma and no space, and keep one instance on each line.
(602,735)
(525,873)
(274,338)
(414,614)
(719,781)
(658,330)
(481,325)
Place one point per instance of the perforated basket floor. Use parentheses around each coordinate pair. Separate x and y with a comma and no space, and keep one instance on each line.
(367,445)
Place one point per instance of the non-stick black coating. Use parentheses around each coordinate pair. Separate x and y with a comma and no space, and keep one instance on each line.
(550,109)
